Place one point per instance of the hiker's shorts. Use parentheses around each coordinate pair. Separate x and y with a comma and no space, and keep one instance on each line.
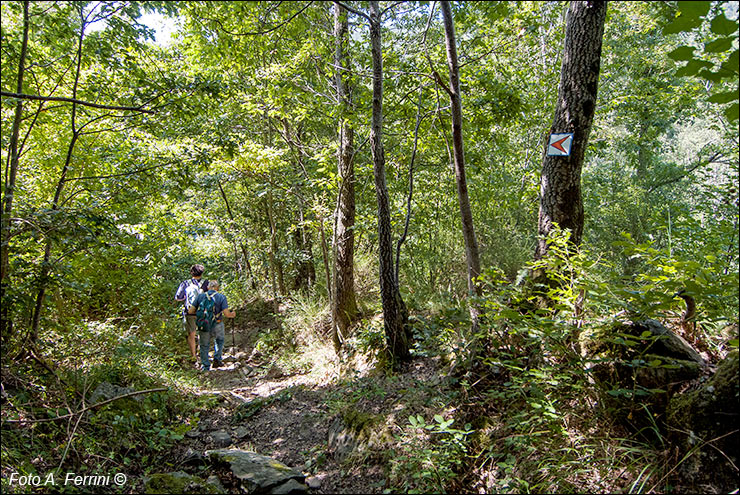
(188,323)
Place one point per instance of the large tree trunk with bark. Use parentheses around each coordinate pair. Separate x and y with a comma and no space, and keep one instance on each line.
(344,304)
(472,257)
(560,187)
(395,315)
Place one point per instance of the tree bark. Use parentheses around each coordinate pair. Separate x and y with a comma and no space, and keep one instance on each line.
(242,246)
(277,266)
(10,185)
(306,273)
(46,263)
(560,186)
(472,256)
(395,315)
(344,302)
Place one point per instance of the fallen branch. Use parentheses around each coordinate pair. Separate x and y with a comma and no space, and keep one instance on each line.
(88,408)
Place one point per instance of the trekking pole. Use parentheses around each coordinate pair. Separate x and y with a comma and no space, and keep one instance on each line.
(232,336)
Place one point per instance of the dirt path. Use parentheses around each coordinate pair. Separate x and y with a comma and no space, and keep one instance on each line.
(285,417)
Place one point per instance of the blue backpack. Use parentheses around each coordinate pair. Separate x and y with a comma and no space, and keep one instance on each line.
(205,317)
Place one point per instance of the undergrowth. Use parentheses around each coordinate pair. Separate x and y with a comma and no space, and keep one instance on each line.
(57,379)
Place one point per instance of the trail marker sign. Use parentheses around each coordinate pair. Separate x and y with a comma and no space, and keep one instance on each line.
(560,144)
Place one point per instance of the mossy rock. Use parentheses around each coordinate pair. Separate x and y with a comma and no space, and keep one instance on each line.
(638,391)
(353,430)
(703,424)
(359,422)
(635,339)
(180,482)
(258,473)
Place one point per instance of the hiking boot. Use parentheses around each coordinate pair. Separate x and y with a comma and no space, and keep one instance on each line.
(217,363)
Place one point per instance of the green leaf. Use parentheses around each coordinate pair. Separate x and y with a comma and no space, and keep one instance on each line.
(731,64)
(412,420)
(719,45)
(722,25)
(683,22)
(711,76)
(725,97)
(733,112)
(694,9)
(692,68)
(438,418)
(682,53)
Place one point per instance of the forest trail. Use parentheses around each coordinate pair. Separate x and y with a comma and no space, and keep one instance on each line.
(288,416)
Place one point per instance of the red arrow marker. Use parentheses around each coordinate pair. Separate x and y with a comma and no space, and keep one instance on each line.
(559,144)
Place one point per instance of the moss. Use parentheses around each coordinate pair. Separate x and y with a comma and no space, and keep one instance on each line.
(709,415)
(178,482)
(360,422)
(703,410)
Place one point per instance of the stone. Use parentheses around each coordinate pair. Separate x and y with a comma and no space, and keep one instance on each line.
(194,433)
(179,482)
(214,482)
(106,391)
(638,364)
(290,487)
(313,482)
(353,430)
(193,458)
(241,432)
(221,439)
(341,440)
(274,373)
(256,473)
(666,342)
(709,414)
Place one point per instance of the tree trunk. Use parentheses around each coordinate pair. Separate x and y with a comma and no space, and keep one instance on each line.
(395,314)
(277,267)
(10,185)
(472,256)
(344,303)
(560,187)
(302,237)
(325,255)
(241,245)
(46,263)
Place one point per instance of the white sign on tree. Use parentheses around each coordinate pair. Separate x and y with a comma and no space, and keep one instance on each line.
(559,144)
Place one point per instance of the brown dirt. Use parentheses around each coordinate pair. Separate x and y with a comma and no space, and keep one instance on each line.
(287,416)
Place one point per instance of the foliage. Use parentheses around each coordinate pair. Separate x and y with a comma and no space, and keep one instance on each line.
(424,465)
(236,170)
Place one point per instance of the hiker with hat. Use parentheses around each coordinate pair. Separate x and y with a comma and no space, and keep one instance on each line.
(187,293)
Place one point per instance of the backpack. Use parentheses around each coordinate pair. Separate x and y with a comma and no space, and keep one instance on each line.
(205,317)
(191,294)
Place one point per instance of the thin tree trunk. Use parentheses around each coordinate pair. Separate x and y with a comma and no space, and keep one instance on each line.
(395,315)
(472,256)
(9,192)
(302,238)
(560,187)
(325,254)
(343,301)
(274,262)
(45,264)
(241,245)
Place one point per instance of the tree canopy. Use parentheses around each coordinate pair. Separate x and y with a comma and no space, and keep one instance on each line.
(310,153)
